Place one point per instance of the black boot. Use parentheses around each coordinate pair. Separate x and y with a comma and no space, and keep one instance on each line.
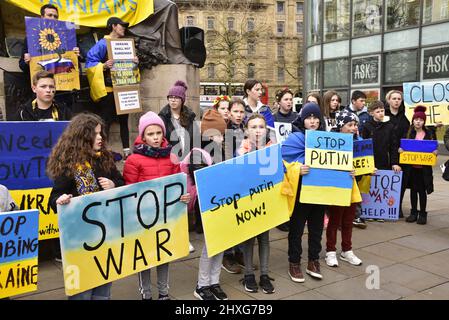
(413,216)
(422,217)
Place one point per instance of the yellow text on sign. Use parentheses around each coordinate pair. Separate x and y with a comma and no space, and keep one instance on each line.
(363,165)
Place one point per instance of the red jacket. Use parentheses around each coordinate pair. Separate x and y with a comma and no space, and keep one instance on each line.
(140,168)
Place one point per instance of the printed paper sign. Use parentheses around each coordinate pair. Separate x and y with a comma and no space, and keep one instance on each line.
(419,152)
(282,131)
(24,149)
(247,200)
(50,44)
(434,95)
(383,199)
(363,157)
(115,233)
(18,252)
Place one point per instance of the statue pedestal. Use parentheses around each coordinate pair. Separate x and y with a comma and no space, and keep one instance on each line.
(154,86)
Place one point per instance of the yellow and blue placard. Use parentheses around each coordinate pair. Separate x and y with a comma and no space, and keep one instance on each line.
(363,157)
(241,198)
(329,150)
(18,252)
(93,13)
(419,152)
(383,199)
(329,154)
(115,233)
(432,94)
(24,148)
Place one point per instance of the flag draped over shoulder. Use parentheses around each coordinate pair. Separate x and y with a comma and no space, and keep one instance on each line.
(93,13)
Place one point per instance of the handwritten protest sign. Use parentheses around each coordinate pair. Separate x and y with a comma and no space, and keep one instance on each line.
(247,200)
(50,45)
(383,199)
(112,234)
(25,147)
(18,252)
(433,94)
(418,152)
(363,160)
(125,75)
(329,150)
(282,131)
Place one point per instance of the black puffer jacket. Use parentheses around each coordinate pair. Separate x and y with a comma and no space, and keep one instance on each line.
(173,138)
(385,143)
(26,112)
(399,121)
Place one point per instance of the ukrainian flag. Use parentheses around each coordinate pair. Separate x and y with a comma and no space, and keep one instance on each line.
(418,152)
(363,158)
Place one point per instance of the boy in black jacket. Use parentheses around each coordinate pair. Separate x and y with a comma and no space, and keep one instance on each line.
(385,142)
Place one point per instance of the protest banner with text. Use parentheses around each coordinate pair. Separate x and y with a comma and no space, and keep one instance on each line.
(50,45)
(419,152)
(433,94)
(282,130)
(111,234)
(247,200)
(25,147)
(383,199)
(363,157)
(18,252)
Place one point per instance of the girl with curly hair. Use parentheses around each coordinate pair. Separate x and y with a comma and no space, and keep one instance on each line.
(80,164)
(221,104)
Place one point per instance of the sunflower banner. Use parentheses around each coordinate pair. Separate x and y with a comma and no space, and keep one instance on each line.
(50,44)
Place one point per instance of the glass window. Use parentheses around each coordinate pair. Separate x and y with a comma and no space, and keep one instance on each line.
(230,24)
(299,27)
(313,28)
(401,66)
(313,76)
(336,73)
(251,71)
(190,21)
(211,71)
(280,27)
(336,19)
(280,7)
(250,24)
(402,13)
(281,74)
(299,8)
(210,23)
(280,50)
(366,17)
(436,10)
(251,47)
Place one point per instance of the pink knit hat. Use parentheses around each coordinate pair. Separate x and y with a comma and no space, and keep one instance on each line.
(149,119)
(178,90)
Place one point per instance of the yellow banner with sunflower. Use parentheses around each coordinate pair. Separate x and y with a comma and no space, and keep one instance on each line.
(93,13)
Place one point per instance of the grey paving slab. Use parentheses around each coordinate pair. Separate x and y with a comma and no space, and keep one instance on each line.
(393,251)
(430,242)
(440,292)
(308,295)
(436,263)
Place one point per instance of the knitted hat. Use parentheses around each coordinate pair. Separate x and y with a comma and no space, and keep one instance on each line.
(178,90)
(343,117)
(212,119)
(148,119)
(310,109)
(420,112)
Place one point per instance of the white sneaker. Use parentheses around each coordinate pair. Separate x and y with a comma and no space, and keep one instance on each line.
(350,257)
(191,248)
(331,259)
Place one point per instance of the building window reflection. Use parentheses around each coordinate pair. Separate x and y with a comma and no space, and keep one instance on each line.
(313,28)
(402,13)
(313,76)
(402,66)
(336,19)
(366,17)
(336,73)
(435,10)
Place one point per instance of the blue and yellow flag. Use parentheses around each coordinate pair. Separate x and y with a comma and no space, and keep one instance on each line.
(93,13)
(419,152)
(363,157)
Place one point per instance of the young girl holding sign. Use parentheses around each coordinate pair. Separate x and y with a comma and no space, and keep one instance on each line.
(420,178)
(346,122)
(257,132)
(152,159)
(293,150)
(80,164)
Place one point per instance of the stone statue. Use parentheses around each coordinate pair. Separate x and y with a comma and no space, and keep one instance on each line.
(157,38)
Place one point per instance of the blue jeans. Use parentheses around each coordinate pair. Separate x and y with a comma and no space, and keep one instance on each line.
(102,292)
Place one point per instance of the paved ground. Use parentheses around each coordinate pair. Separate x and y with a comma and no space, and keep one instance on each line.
(412,259)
